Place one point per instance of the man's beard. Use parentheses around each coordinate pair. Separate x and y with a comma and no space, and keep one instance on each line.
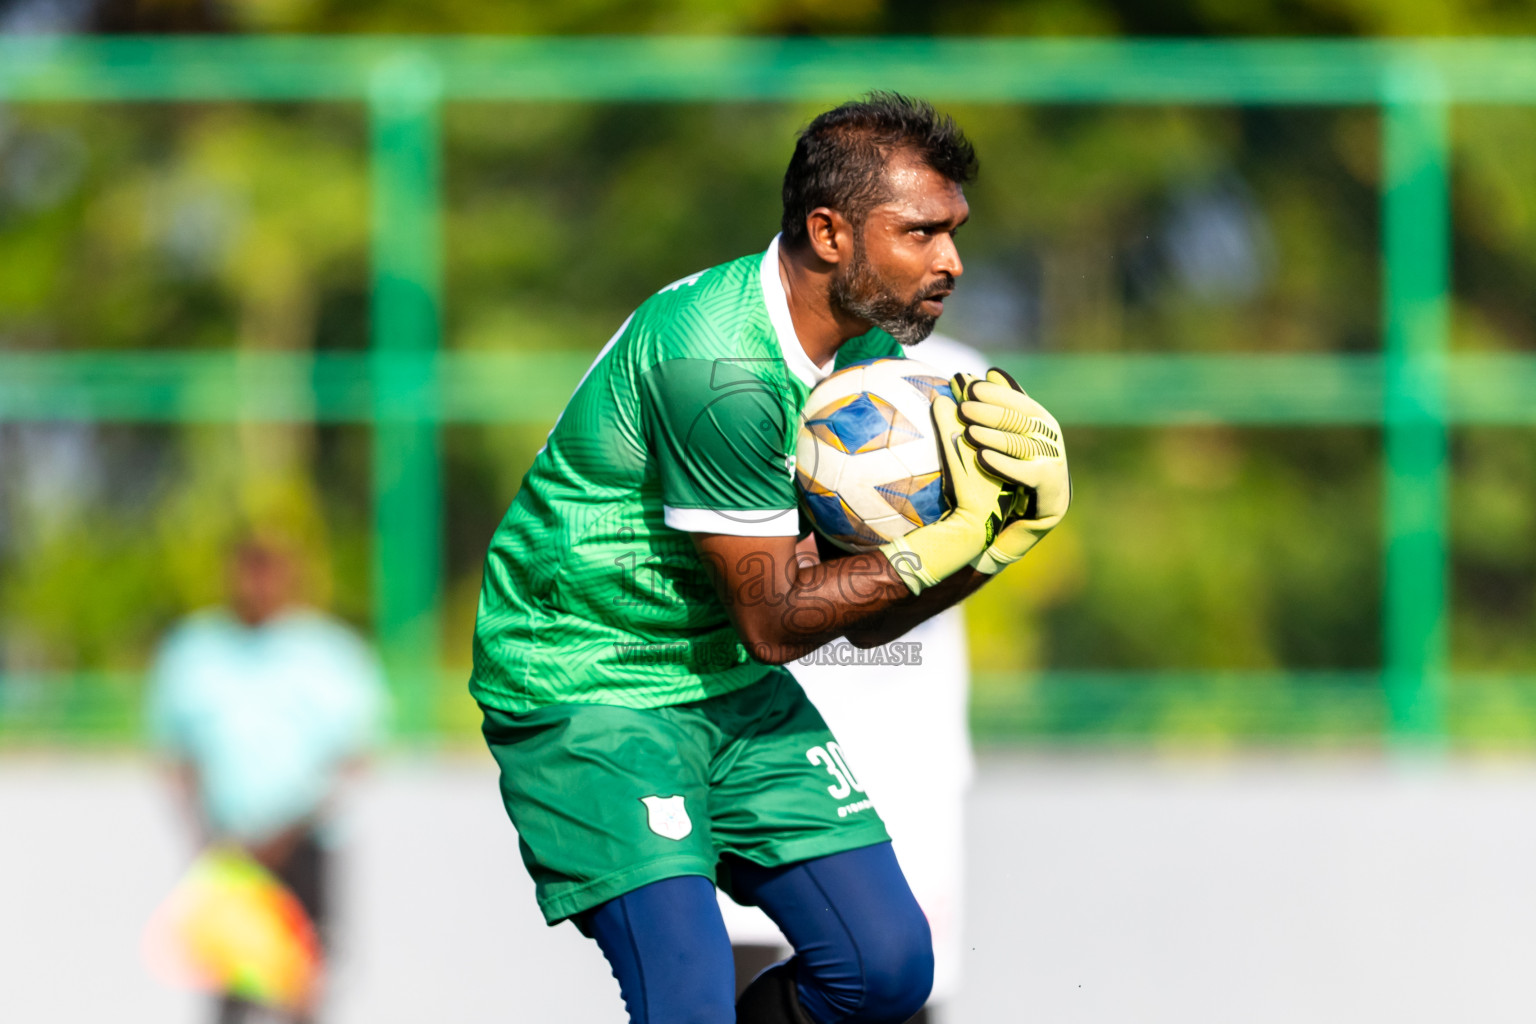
(863,294)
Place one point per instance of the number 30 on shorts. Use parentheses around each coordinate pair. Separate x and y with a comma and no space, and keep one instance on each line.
(831,758)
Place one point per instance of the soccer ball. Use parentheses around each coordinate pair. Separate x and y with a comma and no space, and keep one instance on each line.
(866,461)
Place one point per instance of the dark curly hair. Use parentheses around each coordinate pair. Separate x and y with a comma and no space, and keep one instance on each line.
(840,157)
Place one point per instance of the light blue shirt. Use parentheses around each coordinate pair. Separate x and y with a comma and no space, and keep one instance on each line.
(267,715)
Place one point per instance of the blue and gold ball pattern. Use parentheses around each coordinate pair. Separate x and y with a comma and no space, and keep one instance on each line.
(867,463)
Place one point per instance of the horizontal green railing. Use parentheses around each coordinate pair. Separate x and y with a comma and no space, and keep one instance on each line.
(1333,709)
(1339,710)
(712,70)
(406,387)
(461,387)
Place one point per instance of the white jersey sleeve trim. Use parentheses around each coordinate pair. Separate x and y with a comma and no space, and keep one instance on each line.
(750,523)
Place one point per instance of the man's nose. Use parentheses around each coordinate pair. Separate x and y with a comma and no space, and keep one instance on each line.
(948,261)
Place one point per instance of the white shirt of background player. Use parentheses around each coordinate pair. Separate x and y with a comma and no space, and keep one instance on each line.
(903,731)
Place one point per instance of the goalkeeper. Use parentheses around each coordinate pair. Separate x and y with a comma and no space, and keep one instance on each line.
(651,578)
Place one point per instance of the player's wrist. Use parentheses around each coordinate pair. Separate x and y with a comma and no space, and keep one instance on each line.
(908,565)
(926,561)
(931,554)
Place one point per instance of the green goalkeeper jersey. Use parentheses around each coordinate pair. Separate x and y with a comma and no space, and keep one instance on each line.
(685,423)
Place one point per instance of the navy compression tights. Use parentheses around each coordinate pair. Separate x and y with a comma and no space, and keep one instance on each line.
(861,942)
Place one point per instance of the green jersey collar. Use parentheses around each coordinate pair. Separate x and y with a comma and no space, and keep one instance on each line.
(778,314)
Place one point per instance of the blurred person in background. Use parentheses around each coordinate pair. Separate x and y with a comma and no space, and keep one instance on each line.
(263,706)
(882,715)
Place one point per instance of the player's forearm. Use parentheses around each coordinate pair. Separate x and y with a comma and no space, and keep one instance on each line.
(823,601)
(903,616)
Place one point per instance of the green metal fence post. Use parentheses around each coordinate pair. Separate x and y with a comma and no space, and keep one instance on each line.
(404,101)
(1416,248)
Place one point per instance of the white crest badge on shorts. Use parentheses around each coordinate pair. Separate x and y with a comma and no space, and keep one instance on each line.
(668,817)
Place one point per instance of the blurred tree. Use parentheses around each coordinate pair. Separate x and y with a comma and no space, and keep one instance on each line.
(1146,229)
(1185,18)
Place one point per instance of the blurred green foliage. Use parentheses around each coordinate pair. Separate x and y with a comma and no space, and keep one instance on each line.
(866,17)
(1210,549)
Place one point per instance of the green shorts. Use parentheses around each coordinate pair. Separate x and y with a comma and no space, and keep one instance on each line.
(607,799)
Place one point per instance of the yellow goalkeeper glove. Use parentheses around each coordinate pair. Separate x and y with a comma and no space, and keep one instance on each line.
(1020,442)
(977,502)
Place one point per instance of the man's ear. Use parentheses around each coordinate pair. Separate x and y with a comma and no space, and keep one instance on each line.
(829,234)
